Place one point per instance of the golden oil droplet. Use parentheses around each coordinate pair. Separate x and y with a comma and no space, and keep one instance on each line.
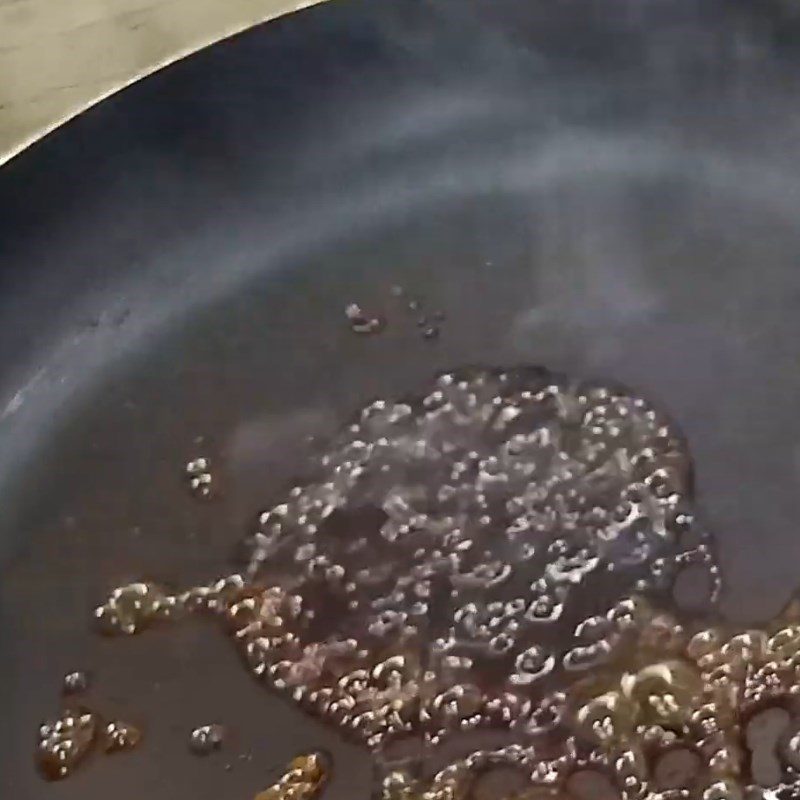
(119,736)
(303,779)
(65,742)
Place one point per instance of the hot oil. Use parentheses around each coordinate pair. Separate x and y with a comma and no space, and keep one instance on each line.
(303,779)
(486,572)
(65,742)
(119,736)
(206,739)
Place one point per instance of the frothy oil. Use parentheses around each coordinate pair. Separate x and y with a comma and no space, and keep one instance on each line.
(496,561)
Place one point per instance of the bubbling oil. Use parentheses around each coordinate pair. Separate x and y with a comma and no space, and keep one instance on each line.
(493,562)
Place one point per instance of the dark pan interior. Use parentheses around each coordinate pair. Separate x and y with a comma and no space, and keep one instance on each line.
(609,189)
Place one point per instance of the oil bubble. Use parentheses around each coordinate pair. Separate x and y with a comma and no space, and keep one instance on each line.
(75,682)
(206,739)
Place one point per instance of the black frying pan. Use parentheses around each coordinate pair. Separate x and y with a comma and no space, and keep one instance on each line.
(608,188)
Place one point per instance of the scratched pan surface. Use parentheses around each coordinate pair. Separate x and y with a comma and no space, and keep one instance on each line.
(607,188)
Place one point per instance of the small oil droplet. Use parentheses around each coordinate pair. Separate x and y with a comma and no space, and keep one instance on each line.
(63,743)
(119,736)
(206,739)
(198,473)
(75,682)
(430,333)
(428,322)
(360,321)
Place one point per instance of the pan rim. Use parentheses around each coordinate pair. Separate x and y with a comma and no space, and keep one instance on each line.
(278,9)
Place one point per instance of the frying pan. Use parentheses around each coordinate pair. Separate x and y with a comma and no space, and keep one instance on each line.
(608,188)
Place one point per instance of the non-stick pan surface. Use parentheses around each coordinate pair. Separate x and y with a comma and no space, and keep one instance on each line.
(608,188)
